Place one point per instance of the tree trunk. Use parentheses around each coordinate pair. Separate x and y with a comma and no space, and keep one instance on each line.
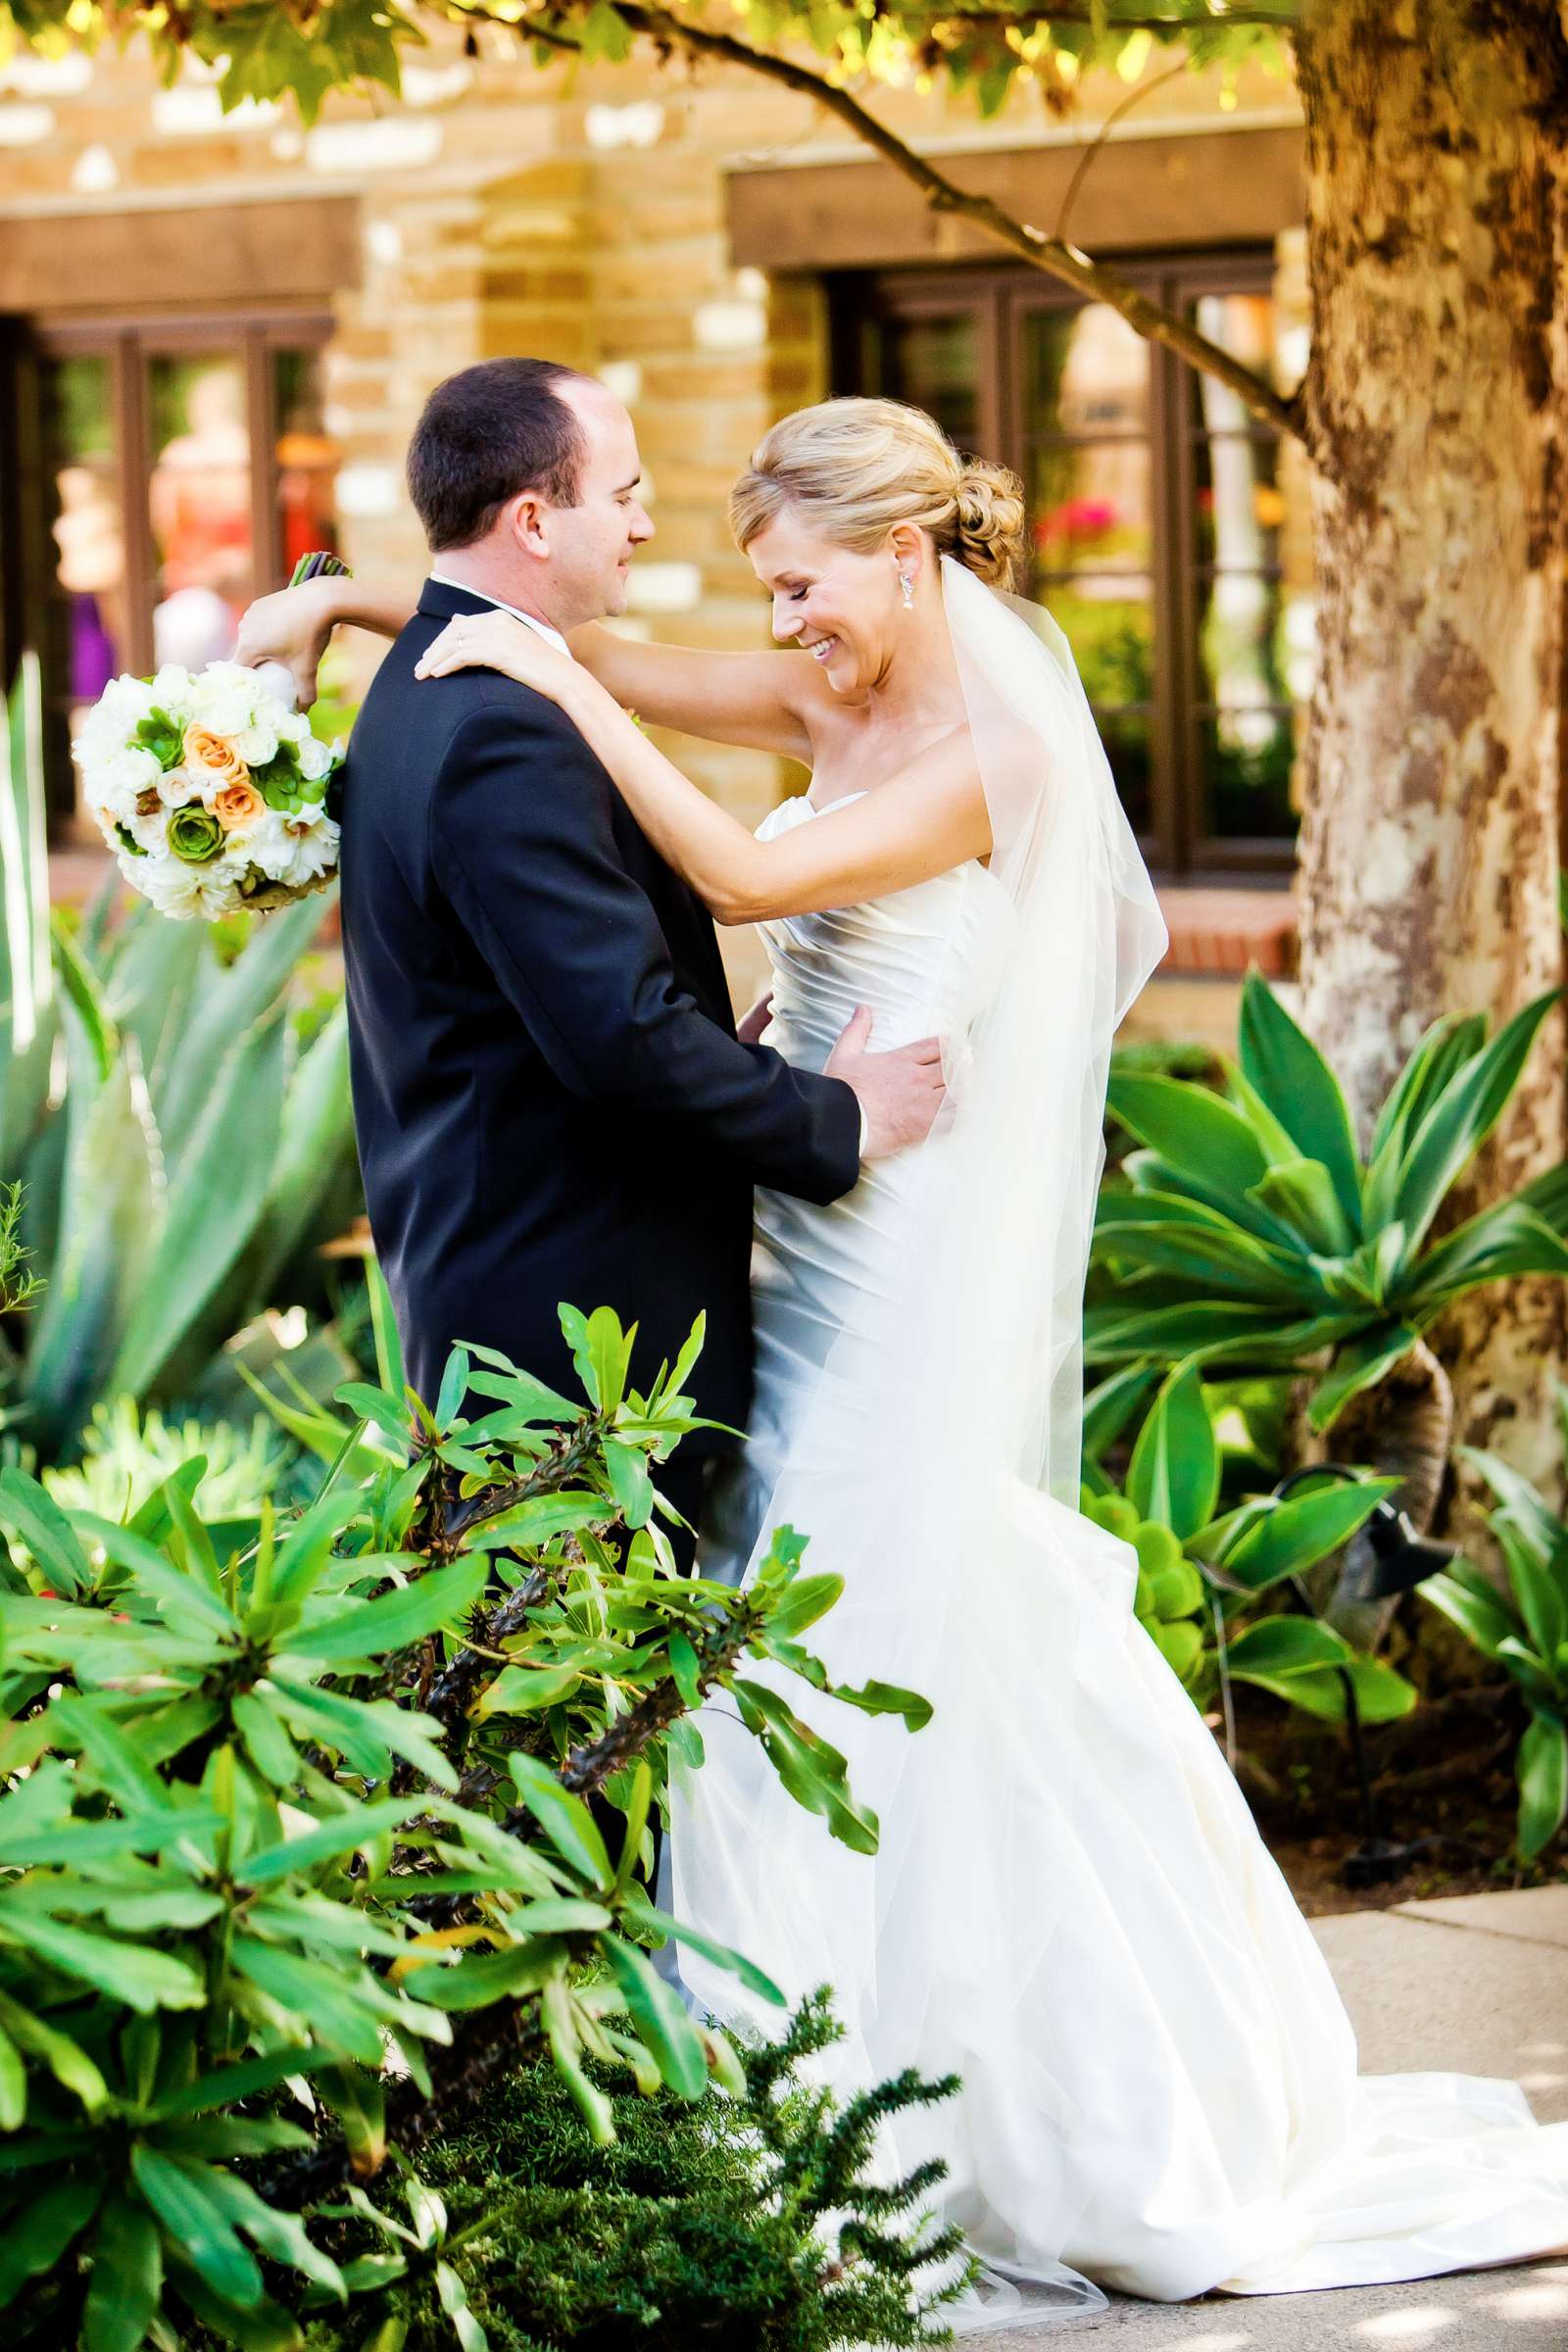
(1438,419)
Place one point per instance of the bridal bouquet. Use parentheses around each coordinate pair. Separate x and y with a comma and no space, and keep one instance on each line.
(210,789)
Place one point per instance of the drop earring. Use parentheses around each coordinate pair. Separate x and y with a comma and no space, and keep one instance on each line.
(908,585)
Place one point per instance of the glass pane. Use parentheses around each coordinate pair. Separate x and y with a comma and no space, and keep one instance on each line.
(306,458)
(1241,508)
(1128,738)
(199,505)
(1091,505)
(1109,623)
(1085,371)
(88,527)
(1241,325)
(1241,647)
(934,364)
(1248,759)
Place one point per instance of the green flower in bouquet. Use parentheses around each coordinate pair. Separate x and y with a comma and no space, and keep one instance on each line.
(195,836)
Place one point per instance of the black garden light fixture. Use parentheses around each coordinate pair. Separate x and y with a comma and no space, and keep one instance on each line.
(1394,1558)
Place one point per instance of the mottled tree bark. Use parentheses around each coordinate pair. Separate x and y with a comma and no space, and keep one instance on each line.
(1437,415)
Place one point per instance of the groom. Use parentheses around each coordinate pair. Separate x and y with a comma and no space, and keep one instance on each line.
(549,1098)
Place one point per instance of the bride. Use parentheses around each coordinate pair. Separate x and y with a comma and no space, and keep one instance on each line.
(1070,1906)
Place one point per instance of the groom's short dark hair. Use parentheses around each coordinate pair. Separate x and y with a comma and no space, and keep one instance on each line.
(494,429)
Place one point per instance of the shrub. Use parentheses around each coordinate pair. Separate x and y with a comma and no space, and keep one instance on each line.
(296,1828)
(744,2222)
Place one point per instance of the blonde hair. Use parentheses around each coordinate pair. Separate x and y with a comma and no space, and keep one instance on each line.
(856,469)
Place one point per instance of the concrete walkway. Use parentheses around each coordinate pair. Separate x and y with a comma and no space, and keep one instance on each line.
(1477,1983)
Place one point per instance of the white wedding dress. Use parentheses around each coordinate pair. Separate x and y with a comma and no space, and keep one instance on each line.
(1070,1907)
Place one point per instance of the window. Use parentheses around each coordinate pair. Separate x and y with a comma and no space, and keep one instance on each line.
(178,471)
(1157,516)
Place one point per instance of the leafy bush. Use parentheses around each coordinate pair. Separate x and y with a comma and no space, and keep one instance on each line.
(126,1455)
(296,1828)
(1252,1231)
(745,2222)
(202,1146)
(1167,1513)
(1523,1629)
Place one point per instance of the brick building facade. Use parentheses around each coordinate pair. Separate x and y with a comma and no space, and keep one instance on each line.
(218,332)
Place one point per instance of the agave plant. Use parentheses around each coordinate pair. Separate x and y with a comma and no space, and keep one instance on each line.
(1251,1231)
(1200,1573)
(179,1148)
(1523,1629)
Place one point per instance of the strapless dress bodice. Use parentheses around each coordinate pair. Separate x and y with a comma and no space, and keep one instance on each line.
(923,960)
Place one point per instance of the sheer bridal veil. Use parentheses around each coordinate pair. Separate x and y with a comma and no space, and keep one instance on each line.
(934,1464)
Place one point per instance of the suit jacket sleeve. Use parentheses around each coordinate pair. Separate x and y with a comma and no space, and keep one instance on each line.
(522,847)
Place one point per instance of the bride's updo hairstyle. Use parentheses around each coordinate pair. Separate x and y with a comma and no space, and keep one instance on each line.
(853,469)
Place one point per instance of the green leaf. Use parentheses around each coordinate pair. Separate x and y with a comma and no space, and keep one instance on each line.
(659,2016)
(37,2239)
(214,1204)
(1301,1090)
(42,1526)
(1502,1243)
(143,1978)
(524,1689)
(1360,1362)
(1175,1468)
(680,1931)
(1464,1115)
(564,1819)
(180,2196)
(371,1629)
(72,2069)
(1542,1766)
(126,2286)
(342,1833)
(1283,1539)
(12,2086)
(1302,1193)
(1286,1646)
(1481,1617)
(1112,1404)
(1191,1126)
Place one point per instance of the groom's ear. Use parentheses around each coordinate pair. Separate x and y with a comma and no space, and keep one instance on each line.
(527,520)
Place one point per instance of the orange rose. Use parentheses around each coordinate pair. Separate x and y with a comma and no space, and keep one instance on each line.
(238,805)
(211,759)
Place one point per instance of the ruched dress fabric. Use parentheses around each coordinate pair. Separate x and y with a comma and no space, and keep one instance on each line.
(1070,1907)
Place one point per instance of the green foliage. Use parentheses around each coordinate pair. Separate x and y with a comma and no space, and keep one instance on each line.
(744,2222)
(295,1835)
(201,1147)
(1167,1514)
(268,52)
(1523,1629)
(1250,1230)
(126,1455)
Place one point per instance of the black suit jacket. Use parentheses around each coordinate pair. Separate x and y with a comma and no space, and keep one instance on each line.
(550,1098)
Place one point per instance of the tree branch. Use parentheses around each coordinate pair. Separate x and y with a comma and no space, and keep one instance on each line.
(1051,255)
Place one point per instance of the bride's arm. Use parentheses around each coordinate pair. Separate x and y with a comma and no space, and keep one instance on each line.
(930,819)
(757,700)
(294,625)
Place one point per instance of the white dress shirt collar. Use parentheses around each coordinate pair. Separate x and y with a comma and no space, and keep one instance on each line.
(552,636)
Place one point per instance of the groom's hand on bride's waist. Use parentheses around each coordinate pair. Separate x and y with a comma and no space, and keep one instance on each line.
(899,1093)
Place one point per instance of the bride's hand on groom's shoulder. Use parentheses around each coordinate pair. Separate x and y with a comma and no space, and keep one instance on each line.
(495,641)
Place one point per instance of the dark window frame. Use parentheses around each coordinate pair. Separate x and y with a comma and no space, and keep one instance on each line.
(999,299)
(130,346)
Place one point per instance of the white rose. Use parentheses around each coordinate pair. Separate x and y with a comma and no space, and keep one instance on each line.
(258,743)
(176,788)
(171,690)
(117,780)
(291,851)
(148,832)
(315,758)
